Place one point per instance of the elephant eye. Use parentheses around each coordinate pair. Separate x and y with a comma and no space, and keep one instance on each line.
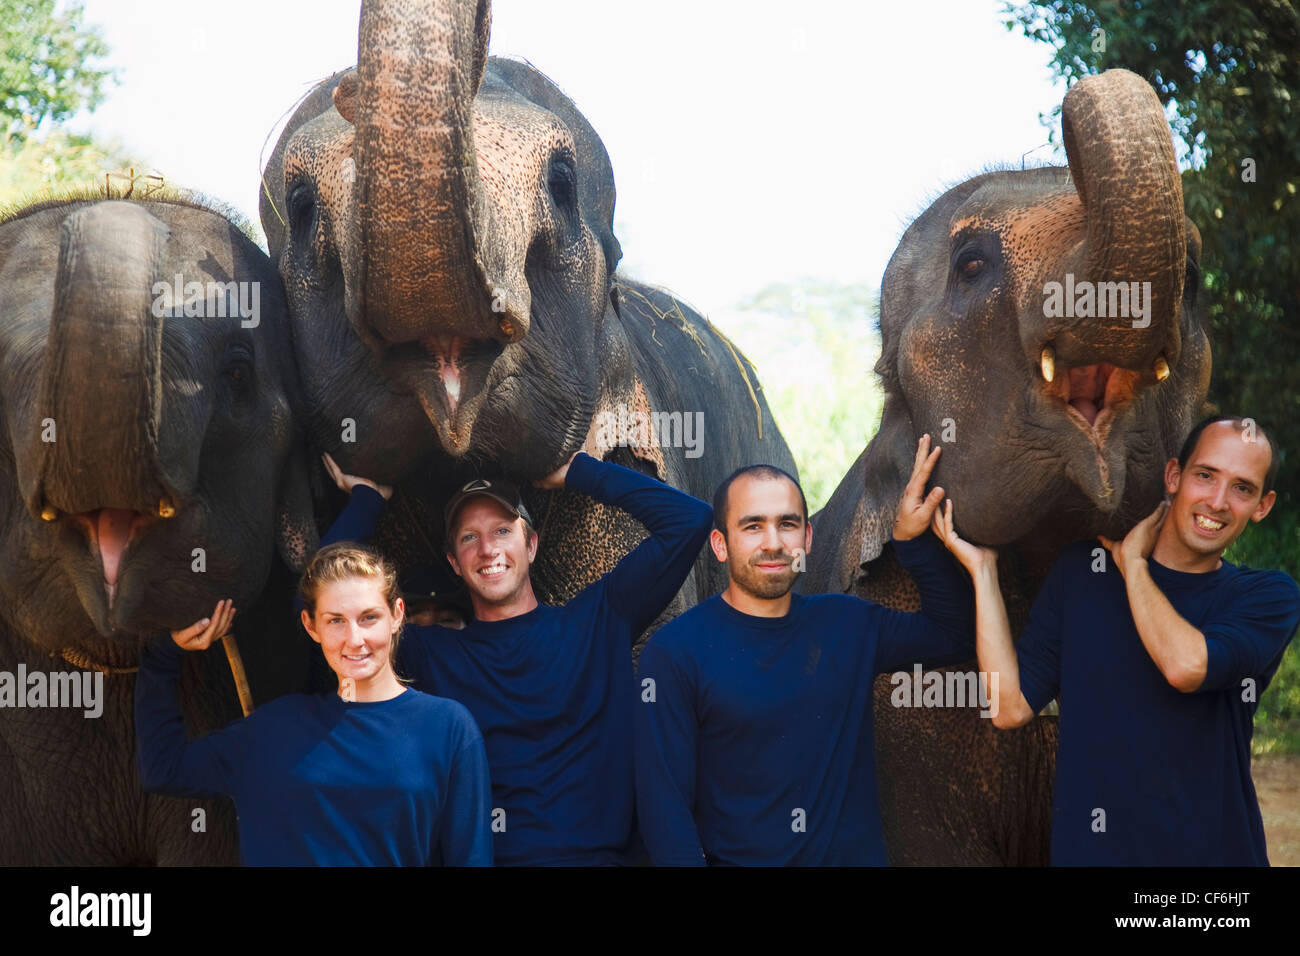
(239,365)
(970,265)
(1191,283)
(562,183)
(302,211)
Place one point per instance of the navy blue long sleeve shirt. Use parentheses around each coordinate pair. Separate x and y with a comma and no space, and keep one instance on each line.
(317,780)
(754,735)
(552,689)
(1145,774)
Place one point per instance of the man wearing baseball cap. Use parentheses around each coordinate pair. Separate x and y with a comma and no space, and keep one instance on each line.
(551,688)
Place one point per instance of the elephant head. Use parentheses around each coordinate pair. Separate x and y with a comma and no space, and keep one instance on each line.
(443,224)
(147,465)
(1041,325)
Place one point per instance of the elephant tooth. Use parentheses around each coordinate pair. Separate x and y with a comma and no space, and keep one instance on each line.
(49,513)
(1161,368)
(1047,362)
(165,508)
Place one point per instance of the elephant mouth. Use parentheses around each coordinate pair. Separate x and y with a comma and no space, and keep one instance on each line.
(451,377)
(110,532)
(1090,396)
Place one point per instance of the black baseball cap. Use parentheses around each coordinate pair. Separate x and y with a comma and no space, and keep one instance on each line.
(502,492)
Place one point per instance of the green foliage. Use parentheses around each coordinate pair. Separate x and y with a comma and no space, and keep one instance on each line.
(46,65)
(1228,73)
(38,168)
(814,345)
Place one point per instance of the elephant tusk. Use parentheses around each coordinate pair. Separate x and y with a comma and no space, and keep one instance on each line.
(1161,368)
(165,508)
(1047,362)
(49,513)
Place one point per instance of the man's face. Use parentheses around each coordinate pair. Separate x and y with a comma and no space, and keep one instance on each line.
(766,531)
(1219,491)
(491,551)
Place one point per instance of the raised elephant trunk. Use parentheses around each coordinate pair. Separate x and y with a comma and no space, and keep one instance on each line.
(428,265)
(102,388)
(1122,164)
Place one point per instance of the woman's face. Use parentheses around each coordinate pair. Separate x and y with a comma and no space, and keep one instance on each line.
(354,628)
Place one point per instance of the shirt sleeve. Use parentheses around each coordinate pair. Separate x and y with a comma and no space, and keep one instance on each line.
(643,583)
(465,827)
(664,744)
(169,762)
(1038,651)
(1248,634)
(943,631)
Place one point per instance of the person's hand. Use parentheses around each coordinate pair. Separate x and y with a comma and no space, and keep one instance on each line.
(1139,542)
(348,482)
(972,557)
(200,635)
(555,480)
(914,512)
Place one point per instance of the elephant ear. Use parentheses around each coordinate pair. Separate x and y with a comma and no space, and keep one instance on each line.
(887,468)
(859,519)
(295,524)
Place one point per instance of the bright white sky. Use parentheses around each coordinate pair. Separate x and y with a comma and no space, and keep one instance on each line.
(752,141)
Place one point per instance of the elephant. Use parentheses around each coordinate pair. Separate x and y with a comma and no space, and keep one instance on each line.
(1055,416)
(152,463)
(443,224)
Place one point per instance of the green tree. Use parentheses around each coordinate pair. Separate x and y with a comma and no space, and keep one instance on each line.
(46,64)
(1228,73)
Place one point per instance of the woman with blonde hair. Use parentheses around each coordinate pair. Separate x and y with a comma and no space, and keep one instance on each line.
(373,773)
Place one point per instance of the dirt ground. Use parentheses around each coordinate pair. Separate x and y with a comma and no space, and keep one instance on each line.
(1277,783)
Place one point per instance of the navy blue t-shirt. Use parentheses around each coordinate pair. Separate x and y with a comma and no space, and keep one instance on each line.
(317,780)
(1145,774)
(552,689)
(754,738)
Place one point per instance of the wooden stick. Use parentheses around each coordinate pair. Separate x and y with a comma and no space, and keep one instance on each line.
(237,671)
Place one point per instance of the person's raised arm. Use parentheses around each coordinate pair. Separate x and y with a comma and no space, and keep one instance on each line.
(994,647)
(1240,642)
(665,740)
(648,577)
(943,630)
(169,762)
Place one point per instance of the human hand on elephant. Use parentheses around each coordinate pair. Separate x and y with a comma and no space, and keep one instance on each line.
(201,635)
(915,509)
(555,480)
(1138,543)
(348,482)
(973,557)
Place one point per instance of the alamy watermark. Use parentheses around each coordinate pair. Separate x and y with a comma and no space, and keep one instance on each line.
(1101,300)
(79,690)
(919,688)
(210,300)
(632,428)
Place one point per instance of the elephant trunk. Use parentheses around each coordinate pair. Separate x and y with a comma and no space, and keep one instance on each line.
(101,392)
(1122,163)
(425,226)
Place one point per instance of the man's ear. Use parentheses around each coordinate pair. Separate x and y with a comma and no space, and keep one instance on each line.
(1173,476)
(1264,507)
(534,540)
(451,559)
(718,542)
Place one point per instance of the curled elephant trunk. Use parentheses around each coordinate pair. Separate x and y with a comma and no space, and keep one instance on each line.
(428,267)
(102,390)
(1122,163)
